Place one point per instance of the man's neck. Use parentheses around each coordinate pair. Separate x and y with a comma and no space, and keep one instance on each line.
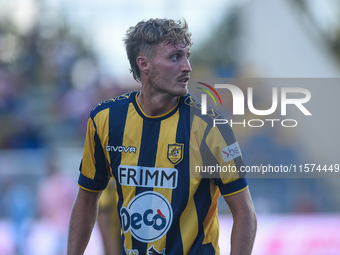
(156,105)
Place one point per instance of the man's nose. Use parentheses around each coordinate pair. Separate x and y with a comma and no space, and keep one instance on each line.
(186,68)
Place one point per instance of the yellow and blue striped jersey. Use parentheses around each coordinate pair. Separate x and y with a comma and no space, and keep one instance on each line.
(165,205)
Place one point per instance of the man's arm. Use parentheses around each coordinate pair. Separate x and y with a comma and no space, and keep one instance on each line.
(83,218)
(245,223)
(108,221)
(111,241)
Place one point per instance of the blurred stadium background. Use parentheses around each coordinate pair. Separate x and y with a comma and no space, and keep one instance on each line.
(59,58)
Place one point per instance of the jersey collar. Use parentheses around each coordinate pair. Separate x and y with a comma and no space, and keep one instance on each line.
(154,118)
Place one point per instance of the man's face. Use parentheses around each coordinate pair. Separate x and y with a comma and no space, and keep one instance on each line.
(169,69)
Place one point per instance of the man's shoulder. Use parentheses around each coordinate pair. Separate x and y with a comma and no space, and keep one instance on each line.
(196,108)
(115,102)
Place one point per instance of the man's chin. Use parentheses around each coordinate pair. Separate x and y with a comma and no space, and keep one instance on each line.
(177,92)
(182,92)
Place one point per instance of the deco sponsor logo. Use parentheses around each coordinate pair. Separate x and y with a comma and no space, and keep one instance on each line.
(148,216)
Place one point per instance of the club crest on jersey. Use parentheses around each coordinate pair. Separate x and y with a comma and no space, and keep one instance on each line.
(175,152)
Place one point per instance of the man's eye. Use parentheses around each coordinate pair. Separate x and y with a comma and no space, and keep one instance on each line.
(174,57)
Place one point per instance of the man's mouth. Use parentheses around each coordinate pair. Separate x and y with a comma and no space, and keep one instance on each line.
(185,79)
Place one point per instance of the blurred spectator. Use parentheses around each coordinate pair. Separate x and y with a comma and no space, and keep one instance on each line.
(55,196)
(305,203)
(20,206)
(49,80)
(55,199)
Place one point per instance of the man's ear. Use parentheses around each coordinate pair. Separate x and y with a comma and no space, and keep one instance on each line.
(142,63)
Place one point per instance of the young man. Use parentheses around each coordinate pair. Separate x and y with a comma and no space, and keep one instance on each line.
(149,141)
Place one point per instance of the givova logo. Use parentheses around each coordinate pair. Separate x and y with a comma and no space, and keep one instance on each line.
(148,216)
(130,149)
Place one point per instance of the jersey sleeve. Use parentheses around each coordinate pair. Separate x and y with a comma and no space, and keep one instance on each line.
(94,168)
(107,198)
(221,152)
